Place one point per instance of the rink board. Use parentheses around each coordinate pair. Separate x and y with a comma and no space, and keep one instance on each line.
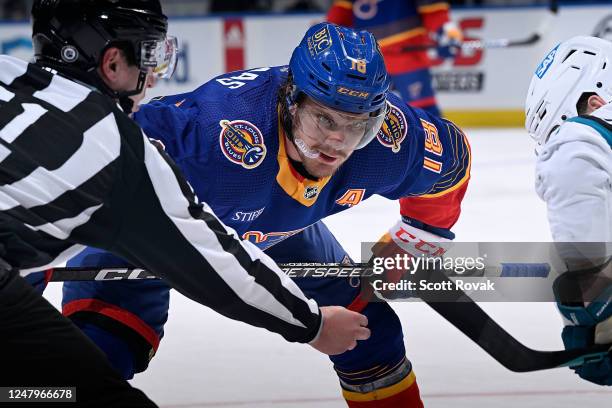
(484,88)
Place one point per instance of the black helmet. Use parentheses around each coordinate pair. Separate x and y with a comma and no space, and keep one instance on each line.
(71,36)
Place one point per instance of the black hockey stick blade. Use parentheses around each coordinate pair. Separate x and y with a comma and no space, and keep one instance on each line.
(476,324)
(463,313)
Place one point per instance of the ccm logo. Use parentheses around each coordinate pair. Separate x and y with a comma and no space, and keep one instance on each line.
(352,92)
(419,244)
(122,274)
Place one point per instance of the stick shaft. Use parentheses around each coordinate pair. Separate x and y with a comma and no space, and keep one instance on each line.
(292,269)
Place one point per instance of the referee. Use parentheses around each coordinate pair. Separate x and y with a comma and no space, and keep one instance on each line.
(75,170)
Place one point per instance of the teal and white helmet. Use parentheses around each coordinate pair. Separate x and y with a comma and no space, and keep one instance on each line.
(579,65)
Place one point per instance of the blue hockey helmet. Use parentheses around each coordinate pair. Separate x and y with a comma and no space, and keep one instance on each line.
(340,68)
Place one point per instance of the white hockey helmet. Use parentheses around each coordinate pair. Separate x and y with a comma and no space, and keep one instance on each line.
(579,65)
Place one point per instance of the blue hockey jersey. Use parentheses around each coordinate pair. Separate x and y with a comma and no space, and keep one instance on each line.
(396,24)
(226,138)
(391,21)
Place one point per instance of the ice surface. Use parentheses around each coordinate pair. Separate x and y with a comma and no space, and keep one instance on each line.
(209,361)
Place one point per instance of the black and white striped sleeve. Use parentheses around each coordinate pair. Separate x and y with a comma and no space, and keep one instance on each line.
(182,241)
(74,170)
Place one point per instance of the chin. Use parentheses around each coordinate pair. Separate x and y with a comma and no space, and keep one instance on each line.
(320,170)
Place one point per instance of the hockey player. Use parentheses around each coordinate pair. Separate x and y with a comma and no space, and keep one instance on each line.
(397,25)
(76,170)
(569,114)
(275,150)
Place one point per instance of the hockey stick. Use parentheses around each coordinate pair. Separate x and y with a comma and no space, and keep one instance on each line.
(68,274)
(462,312)
(457,308)
(501,42)
(480,44)
(476,324)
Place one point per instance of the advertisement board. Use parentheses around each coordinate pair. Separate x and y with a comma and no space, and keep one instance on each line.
(479,88)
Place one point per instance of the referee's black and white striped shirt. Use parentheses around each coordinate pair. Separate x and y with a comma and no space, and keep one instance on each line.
(75,170)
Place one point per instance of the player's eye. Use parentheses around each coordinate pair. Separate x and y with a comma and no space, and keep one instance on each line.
(326,122)
(357,126)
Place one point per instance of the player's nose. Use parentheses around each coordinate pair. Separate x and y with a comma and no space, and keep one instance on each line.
(336,139)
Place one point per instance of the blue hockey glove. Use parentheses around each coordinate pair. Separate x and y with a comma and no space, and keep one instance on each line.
(449,38)
(591,325)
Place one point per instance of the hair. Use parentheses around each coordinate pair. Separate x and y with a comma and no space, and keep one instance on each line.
(583,102)
(284,96)
(126,48)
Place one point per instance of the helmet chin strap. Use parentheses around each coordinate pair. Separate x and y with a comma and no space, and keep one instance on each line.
(126,103)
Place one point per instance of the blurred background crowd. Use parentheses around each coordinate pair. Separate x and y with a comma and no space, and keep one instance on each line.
(19,9)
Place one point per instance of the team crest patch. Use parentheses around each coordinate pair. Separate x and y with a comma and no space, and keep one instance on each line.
(242,143)
(393,129)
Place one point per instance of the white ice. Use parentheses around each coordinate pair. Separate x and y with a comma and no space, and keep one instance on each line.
(208,361)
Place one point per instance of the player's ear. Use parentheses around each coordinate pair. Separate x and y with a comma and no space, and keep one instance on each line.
(595,102)
(112,66)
